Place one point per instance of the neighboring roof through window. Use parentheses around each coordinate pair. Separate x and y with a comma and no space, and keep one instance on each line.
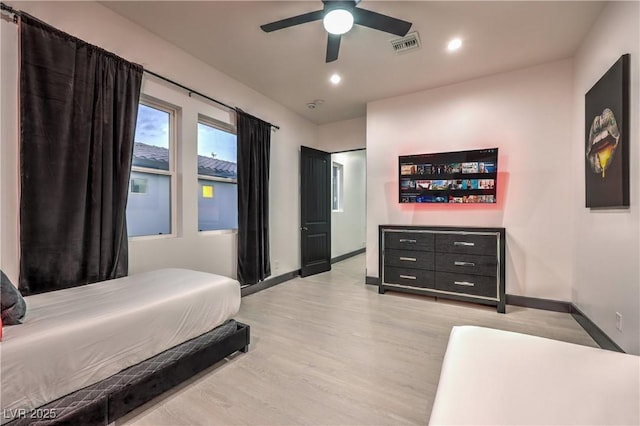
(157,157)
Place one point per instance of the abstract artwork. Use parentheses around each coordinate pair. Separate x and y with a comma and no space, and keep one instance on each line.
(607,138)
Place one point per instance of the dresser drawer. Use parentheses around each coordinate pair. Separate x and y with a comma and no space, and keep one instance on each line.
(408,240)
(476,285)
(472,264)
(410,277)
(409,259)
(466,243)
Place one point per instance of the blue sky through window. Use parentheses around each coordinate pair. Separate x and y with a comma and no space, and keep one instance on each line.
(221,143)
(152,126)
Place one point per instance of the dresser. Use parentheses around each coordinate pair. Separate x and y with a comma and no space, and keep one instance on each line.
(450,262)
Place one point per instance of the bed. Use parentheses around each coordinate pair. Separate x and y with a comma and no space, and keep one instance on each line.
(97,351)
(494,377)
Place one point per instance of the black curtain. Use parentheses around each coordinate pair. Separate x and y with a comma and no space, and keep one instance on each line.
(254,142)
(78,110)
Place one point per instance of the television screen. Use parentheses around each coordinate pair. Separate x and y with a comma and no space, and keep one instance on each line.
(449,177)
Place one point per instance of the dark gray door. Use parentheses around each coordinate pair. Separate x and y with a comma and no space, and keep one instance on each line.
(315,211)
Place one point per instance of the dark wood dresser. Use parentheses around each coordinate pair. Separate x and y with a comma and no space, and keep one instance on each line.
(450,262)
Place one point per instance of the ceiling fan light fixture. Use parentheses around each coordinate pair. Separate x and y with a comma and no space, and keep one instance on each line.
(454,45)
(338,21)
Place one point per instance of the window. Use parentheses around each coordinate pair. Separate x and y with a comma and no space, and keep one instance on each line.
(217,176)
(139,185)
(149,207)
(336,186)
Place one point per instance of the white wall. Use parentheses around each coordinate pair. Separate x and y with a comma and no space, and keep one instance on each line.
(606,242)
(208,252)
(348,227)
(527,115)
(343,135)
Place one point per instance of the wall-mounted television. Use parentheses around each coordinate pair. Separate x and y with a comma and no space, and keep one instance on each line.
(449,177)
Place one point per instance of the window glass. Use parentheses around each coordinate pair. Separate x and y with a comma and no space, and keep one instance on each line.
(217,152)
(149,205)
(217,174)
(217,205)
(336,187)
(151,148)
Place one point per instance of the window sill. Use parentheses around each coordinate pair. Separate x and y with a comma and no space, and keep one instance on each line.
(217,232)
(152,237)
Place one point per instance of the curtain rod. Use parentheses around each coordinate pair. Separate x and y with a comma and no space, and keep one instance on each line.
(191,91)
(8,8)
(16,13)
(11,10)
(187,89)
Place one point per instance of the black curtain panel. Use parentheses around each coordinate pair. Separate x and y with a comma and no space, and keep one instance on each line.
(254,142)
(78,109)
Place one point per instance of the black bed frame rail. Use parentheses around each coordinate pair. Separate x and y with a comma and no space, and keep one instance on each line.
(112,406)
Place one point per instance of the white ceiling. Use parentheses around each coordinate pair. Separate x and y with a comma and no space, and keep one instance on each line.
(289,65)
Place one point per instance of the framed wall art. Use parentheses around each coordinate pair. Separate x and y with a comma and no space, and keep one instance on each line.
(607,138)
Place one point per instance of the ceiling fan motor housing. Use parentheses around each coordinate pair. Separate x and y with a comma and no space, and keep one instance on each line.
(363,17)
(330,5)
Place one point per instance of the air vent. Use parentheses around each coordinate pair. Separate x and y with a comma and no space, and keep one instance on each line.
(409,42)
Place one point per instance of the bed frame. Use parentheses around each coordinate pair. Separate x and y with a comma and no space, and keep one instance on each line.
(104,402)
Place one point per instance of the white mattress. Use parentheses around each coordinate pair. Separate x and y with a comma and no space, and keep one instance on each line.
(73,338)
(493,377)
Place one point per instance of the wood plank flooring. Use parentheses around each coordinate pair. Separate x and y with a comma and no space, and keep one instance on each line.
(329,350)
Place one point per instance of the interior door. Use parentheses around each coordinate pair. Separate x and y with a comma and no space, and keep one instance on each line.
(315,211)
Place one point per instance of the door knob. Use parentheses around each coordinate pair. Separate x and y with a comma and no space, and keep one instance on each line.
(304,228)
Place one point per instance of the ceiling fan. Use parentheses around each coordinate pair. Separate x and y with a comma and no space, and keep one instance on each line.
(338,17)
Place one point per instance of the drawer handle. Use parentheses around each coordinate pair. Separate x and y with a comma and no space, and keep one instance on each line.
(408,277)
(410,259)
(466,283)
(458,263)
(464,243)
(406,240)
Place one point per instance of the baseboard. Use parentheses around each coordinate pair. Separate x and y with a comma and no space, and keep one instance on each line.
(347,255)
(269,282)
(594,331)
(599,336)
(536,303)
(372,280)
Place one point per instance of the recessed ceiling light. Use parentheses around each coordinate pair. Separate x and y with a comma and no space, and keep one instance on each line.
(454,44)
(335,79)
(338,21)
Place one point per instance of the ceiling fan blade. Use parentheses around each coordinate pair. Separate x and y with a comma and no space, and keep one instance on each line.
(333,46)
(294,20)
(381,22)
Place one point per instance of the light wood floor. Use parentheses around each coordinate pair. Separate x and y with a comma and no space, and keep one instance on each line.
(328,349)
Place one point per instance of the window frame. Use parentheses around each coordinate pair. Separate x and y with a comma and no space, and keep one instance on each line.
(339,186)
(158,104)
(225,127)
